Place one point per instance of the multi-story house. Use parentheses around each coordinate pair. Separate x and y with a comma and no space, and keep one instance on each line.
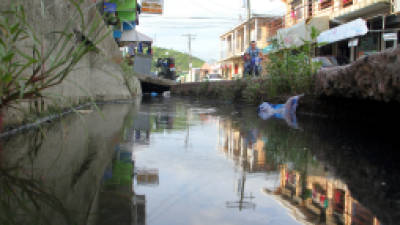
(235,42)
(379,16)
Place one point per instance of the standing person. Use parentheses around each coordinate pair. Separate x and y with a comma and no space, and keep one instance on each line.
(253,58)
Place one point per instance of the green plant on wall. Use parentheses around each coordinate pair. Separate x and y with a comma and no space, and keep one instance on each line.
(27,69)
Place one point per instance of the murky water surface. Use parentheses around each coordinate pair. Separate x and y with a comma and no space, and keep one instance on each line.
(172,161)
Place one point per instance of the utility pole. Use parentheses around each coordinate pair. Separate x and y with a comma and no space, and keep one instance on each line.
(249,21)
(190,38)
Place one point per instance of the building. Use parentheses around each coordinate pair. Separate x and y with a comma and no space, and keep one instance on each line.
(192,76)
(204,71)
(376,19)
(207,69)
(235,42)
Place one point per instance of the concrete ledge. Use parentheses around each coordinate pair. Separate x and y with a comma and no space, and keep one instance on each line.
(374,77)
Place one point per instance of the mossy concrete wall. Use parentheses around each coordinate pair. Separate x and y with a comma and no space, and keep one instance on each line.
(69,157)
(98,75)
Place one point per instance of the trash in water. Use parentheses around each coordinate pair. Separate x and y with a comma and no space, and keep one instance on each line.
(166,94)
(285,111)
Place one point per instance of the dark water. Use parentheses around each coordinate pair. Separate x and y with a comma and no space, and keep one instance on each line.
(172,161)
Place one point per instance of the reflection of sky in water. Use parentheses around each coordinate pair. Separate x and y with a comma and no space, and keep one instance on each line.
(197,181)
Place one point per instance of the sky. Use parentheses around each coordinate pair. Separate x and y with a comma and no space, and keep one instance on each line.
(206,19)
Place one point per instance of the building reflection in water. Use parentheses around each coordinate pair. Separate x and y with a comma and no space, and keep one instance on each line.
(326,197)
(319,196)
(244,147)
(141,129)
(118,196)
(147,177)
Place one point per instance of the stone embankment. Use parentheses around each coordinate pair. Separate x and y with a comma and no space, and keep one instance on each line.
(366,88)
(374,77)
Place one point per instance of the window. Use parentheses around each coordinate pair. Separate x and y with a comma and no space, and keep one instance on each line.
(370,43)
(346,3)
(324,4)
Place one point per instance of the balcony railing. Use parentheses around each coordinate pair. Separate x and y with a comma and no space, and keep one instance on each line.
(349,6)
(331,8)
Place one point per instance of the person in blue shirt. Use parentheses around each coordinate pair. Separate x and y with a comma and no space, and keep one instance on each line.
(253,57)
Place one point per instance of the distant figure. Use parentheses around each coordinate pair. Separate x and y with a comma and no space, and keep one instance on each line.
(285,111)
(253,58)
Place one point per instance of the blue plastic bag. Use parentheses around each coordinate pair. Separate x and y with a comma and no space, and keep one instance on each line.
(285,111)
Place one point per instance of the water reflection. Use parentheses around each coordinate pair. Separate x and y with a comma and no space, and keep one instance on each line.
(306,185)
(323,199)
(172,161)
(54,175)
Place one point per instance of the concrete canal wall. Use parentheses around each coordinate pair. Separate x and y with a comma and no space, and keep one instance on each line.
(98,75)
(69,159)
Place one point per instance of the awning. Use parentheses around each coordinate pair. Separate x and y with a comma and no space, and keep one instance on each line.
(126,9)
(135,36)
(351,29)
(296,35)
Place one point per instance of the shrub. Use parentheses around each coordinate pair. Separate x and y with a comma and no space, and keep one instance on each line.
(291,71)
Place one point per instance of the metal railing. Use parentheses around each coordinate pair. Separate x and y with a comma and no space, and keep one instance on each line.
(331,8)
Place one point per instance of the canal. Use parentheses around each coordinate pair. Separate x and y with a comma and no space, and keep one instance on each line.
(172,161)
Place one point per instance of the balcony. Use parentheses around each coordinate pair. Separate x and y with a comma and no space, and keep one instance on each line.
(352,9)
(229,53)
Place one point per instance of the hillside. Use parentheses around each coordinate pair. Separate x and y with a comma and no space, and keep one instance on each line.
(181,59)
